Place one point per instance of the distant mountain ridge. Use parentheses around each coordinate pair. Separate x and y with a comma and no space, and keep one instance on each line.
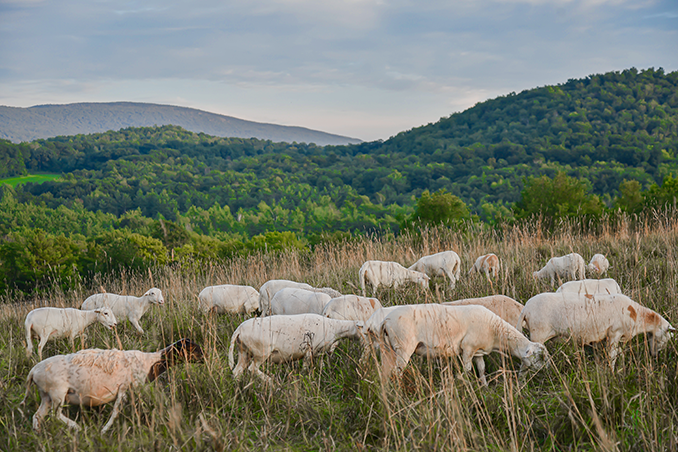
(46,121)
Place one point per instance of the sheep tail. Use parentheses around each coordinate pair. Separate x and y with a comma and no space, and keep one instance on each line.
(231,360)
(521,321)
(29,381)
(362,272)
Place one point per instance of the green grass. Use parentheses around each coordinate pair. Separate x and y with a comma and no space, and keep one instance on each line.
(35,178)
(576,404)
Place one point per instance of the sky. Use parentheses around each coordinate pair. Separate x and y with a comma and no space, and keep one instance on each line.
(367,69)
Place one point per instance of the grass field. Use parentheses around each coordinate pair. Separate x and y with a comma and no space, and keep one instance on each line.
(576,404)
(35,178)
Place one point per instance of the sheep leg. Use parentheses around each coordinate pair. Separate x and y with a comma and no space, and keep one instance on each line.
(135,324)
(467,363)
(614,351)
(41,345)
(61,416)
(480,365)
(29,341)
(254,368)
(243,361)
(122,395)
(43,409)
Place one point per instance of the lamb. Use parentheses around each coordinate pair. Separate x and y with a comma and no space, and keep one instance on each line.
(599,264)
(505,307)
(488,264)
(434,330)
(269,288)
(591,286)
(94,377)
(49,323)
(568,266)
(129,307)
(229,298)
(290,301)
(283,338)
(351,307)
(593,318)
(446,263)
(379,273)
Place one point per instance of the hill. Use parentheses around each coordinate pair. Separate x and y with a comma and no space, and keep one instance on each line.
(44,121)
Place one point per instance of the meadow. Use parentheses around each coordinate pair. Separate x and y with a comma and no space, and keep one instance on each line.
(578,403)
(35,178)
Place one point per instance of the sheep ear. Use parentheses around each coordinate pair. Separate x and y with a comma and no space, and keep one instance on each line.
(360,325)
(98,311)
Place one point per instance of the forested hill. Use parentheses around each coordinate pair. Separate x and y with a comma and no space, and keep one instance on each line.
(604,129)
(44,121)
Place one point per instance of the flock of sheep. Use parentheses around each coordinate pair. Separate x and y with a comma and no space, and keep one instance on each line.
(299,321)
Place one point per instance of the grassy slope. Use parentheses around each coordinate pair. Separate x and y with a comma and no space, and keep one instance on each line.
(35,178)
(577,404)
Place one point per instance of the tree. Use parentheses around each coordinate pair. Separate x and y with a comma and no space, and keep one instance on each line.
(440,207)
(560,197)
(657,197)
(631,197)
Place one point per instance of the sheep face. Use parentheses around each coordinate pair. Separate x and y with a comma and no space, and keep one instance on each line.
(660,338)
(106,317)
(423,281)
(155,296)
(536,357)
(184,349)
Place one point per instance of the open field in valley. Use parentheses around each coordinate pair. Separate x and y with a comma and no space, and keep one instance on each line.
(577,403)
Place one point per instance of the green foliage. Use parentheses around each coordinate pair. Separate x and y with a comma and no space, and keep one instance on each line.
(631,197)
(275,241)
(657,196)
(439,208)
(560,197)
(121,249)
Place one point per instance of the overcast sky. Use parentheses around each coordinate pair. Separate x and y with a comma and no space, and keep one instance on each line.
(363,68)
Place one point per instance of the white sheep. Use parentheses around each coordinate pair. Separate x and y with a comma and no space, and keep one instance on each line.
(229,298)
(351,307)
(434,330)
(52,323)
(95,377)
(591,286)
(269,288)
(125,307)
(505,307)
(599,264)
(593,318)
(283,338)
(487,264)
(379,273)
(566,267)
(445,263)
(290,301)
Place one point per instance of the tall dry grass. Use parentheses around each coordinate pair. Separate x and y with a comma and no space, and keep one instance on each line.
(576,404)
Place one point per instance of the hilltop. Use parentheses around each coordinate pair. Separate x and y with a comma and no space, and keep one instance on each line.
(45,121)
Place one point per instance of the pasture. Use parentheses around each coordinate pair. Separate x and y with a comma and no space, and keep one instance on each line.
(35,178)
(577,403)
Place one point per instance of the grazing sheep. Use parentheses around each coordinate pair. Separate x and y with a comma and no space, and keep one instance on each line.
(593,318)
(379,273)
(283,338)
(95,377)
(568,266)
(434,330)
(229,298)
(505,307)
(591,286)
(129,307)
(599,264)
(52,323)
(446,263)
(351,307)
(290,301)
(269,289)
(371,331)
(488,264)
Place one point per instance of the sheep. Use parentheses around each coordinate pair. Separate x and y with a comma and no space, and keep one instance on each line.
(371,331)
(289,301)
(52,323)
(434,330)
(351,307)
(599,264)
(95,377)
(379,273)
(446,263)
(505,307)
(229,298)
(593,318)
(568,266)
(591,286)
(129,307)
(269,288)
(488,264)
(283,338)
